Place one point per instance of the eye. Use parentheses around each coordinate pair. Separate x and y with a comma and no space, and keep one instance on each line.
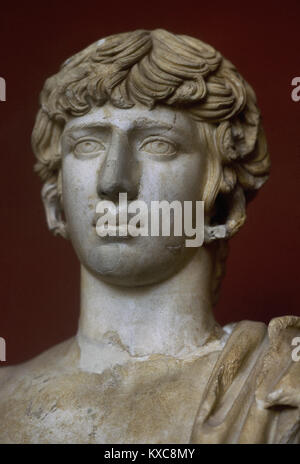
(88,147)
(159,146)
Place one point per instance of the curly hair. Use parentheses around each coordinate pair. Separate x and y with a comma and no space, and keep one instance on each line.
(158,67)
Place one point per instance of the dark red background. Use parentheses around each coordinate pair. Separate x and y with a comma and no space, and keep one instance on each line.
(39,273)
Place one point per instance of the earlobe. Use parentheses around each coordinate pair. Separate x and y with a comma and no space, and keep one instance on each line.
(232,220)
(53,209)
(212,233)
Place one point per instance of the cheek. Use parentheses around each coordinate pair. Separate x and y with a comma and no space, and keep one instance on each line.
(79,189)
(181,178)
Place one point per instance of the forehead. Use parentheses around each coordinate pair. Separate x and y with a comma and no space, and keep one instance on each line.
(138,117)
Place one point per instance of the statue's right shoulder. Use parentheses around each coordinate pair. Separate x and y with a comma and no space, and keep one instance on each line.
(54,362)
(5,375)
(29,392)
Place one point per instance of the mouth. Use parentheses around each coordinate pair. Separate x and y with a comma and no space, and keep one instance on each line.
(115,221)
(116,227)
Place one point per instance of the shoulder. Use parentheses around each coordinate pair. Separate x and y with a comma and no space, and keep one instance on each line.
(279,380)
(255,384)
(276,348)
(279,338)
(278,385)
(30,390)
(54,361)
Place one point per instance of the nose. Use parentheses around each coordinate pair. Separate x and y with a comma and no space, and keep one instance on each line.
(117,173)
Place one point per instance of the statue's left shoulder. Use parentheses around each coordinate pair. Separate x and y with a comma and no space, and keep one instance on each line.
(253,393)
(279,379)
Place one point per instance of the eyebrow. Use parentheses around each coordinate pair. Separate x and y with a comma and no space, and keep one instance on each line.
(139,123)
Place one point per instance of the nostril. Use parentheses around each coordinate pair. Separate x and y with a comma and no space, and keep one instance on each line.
(108,191)
(112,190)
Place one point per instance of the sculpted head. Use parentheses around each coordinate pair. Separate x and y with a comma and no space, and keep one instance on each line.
(160,117)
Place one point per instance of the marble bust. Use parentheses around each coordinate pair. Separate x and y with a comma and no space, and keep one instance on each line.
(159,117)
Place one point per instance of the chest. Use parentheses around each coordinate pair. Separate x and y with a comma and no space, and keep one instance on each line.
(147,405)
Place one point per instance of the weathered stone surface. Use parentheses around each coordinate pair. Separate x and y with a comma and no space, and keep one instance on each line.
(159,117)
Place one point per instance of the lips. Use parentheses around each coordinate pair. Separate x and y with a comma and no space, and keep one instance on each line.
(118,220)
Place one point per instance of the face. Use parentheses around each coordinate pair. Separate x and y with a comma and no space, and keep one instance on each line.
(147,154)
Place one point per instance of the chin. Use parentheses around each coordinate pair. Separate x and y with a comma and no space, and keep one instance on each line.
(133,263)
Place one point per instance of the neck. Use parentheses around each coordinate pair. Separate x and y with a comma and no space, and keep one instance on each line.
(172,318)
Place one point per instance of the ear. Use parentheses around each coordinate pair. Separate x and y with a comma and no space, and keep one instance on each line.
(232,217)
(245,165)
(53,209)
(225,203)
